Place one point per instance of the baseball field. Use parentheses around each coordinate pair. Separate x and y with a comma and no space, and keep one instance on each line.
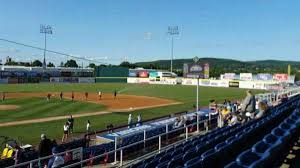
(25,113)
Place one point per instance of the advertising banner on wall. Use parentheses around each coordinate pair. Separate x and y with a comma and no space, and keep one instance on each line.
(246,76)
(246,84)
(205,82)
(86,80)
(153,74)
(234,84)
(143,74)
(229,76)
(280,77)
(264,76)
(206,70)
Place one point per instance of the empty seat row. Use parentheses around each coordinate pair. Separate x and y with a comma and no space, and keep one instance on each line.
(271,150)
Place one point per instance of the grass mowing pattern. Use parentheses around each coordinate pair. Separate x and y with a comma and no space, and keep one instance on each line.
(30,133)
(31,108)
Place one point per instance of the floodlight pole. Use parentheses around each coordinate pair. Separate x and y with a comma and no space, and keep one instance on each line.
(172,51)
(44,61)
(172,30)
(197,99)
(46,30)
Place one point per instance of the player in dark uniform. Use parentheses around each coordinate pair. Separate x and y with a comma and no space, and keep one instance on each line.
(115,94)
(61,95)
(73,96)
(86,95)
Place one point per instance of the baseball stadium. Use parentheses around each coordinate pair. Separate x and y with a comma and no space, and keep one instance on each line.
(119,105)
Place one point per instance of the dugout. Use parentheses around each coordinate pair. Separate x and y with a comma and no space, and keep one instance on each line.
(111,74)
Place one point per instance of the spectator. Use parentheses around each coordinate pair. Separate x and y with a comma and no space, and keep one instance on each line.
(262,109)
(130,121)
(71,124)
(284,98)
(68,157)
(56,160)
(213,105)
(66,131)
(234,119)
(45,147)
(177,121)
(110,128)
(139,120)
(18,154)
(248,104)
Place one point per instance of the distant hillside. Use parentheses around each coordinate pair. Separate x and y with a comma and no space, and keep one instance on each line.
(219,66)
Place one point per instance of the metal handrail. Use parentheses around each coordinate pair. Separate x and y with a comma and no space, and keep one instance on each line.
(43,158)
(138,142)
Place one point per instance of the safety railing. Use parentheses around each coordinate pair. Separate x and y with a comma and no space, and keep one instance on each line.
(77,154)
(120,150)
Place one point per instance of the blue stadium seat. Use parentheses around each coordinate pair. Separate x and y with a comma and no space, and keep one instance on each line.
(247,158)
(209,158)
(188,155)
(162,165)
(152,164)
(193,163)
(233,165)
(176,161)
(260,147)
(166,157)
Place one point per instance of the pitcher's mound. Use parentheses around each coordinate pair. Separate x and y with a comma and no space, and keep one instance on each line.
(8,107)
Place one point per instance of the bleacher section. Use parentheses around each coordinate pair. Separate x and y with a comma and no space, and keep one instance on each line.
(222,146)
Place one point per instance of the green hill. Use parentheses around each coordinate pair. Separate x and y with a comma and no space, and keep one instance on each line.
(219,66)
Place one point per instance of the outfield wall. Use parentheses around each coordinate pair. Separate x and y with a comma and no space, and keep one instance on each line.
(204,82)
(72,80)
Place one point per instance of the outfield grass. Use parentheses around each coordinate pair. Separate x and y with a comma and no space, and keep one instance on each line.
(30,133)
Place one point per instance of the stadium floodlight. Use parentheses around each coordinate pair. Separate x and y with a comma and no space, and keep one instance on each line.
(172,31)
(45,29)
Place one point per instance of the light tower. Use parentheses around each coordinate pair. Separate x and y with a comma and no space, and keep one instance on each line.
(46,29)
(172,30)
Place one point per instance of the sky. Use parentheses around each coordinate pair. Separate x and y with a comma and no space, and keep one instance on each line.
(112,31)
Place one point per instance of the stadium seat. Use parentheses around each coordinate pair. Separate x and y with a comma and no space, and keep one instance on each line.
(193,163)
(209,158)
(162,164)
(176,161)
(260,147)
(233,165)
(188,155)
(247,158)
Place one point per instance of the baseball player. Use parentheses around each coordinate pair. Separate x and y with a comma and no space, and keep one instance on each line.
(115,94)
(73,96)
(86,95)
(3,96)
(61,95)
(48,96)
(100,95)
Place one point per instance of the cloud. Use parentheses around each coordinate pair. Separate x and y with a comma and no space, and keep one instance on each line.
(9,50)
